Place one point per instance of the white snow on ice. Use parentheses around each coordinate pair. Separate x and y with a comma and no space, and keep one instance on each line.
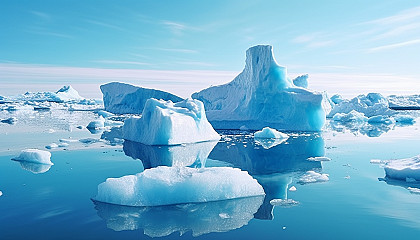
(270,133)
(313,177)
(402,169)
(35,156)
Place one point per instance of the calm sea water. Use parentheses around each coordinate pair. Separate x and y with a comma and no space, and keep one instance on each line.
(55,203)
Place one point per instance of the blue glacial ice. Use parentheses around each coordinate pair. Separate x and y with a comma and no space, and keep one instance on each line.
(336,99)
(34,156)
(122,98)
(352,116)
(96,124)
(262,95)
(370,105)
(168,123)
(301,81)
(381,119)
(199,218)
(174,185)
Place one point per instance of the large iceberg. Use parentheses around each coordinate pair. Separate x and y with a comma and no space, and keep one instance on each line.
(199,218)
(174,185)
(403,169)
(168,123)
(122,98)
(262,95)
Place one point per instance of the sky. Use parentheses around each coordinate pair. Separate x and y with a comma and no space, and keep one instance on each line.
(346,47)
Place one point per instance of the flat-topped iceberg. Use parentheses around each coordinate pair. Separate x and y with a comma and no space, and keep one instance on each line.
(403,169)
(174,185)
(122,98)
(35,156)
(168,123)
(262,95)
(411,102)
(270,133)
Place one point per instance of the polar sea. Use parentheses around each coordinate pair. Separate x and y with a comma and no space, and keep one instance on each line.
(55,202)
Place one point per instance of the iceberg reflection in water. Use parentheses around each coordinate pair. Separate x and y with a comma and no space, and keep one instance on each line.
(200,218)
(35,167)
(194,155)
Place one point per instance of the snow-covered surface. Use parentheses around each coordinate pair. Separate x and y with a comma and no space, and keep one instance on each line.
(262,95)
(404,101)
(352,116)
(167,123)
(201,218)
(174,185)
(67,93)
(313,177)
(370,105)
(402,169)
(35,156)
(270,133)
(122,98)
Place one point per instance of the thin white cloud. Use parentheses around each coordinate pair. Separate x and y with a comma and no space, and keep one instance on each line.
(104,24)
(180,50)
(41,15)
(48,33)
(395,45)
(196,63)
(403,16)
(122,62)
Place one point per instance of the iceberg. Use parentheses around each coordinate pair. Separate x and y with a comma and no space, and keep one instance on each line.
(270,133)
(185,155)
(64,94)
(411,102)
(352,116)
(262,95)
(174,185)
(97,124)
(402,169)
(370,105)
(122,98)
(35,156)
(168,123)
(336,99)
(301,81)
(68,93)
(199,218)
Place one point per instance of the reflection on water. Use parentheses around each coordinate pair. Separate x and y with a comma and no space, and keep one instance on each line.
(35,167)
(413,187)
(245,153)
(201,218)
(368,129)
(194,155)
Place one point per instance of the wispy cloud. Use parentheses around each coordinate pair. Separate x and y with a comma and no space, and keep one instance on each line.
(104,24)
(179,50)
(395,45)
(45,32)
(41,15)
(315,40)
(122,62)
(177,28)
(403,16)
(196,63)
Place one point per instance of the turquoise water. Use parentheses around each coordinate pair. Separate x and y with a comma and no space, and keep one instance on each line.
(56,203)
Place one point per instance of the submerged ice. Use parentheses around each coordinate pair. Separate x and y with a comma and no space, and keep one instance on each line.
(168,123)
(262,95)
(173,185)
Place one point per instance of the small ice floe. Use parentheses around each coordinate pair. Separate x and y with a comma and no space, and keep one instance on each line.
(175,185)
(89,140)
(63,144)
(224,215)
(403,169)
(414,190)
(270,133)
(313,177)
(51,146)
(378,161)
(35,156)
(11,120)
(284,202)
(105,114)
(68,140)
(347,177)
(319,159)
(292,189)
(97,124)
(1,193)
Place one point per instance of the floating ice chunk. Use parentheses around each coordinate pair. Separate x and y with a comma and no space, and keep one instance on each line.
(67,93)
(63,144)
(292,189)
(105,114)
(407,119)
(89,140)
(313,177)
(199,218)
(284,202)
(11,120)
(301,81)
(378,161)
(1,193)
(381,119)
(96,124)
(352,116)
(173,185)
(336,99)
(35,156)
(414,190)
(270,133)
(411,102)
(403,168)
(262,95)
(370,105)
(68,140)
(52,145)
(167,123)
(121,98)
(319,159)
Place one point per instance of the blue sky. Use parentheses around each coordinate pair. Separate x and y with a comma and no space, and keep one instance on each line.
(363,45)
